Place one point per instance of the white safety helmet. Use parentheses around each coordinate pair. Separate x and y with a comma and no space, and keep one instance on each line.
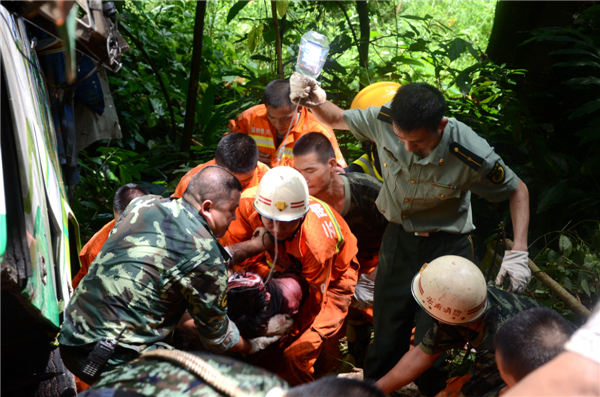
(451,289)
(282,195)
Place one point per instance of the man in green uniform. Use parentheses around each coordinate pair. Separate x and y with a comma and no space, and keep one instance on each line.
(161,259)
(431,164)
(452,290)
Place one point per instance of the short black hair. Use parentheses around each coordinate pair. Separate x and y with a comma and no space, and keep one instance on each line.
(334,386)
(277,94)
(273,287)
(314,142)
(125,194)
(247,308)
(530,339)
(418,105)
(213,183)
(237,152)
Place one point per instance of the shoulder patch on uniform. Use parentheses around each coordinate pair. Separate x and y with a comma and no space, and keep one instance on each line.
(385,115)
(390,154)
(497,174)
(466,156)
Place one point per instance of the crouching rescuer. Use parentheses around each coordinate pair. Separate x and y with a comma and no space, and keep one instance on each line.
(303,233)
(161,259)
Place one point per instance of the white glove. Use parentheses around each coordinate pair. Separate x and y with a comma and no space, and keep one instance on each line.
(258,344)
(515,264)
(280,324)
(306,90)
(363,293)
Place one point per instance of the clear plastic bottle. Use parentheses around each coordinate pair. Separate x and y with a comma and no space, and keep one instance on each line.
(312,54)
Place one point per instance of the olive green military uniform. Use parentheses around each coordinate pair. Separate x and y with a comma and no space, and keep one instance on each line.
(485,379)
(160,260)
(421,195)
(156,377)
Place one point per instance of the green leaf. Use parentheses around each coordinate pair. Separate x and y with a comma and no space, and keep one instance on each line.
(577,63)
(208,101)
(567,283)
(565,245)
(152,121)
(583,81)
(334,65)
(282,6)
(553,196)
(407,61)
(473,51)
(571,51)
(254,36)
(553,256)
(586,286)
(235,9)
(259,57)
(463,80)
(457,47)
(588,108)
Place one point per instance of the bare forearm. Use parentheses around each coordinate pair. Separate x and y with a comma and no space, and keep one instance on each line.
(409,368)
(519,211)
(242,347)
(244,250)
(331,115)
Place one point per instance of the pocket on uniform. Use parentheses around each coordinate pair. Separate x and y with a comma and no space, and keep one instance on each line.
(332,316)
(391,171)
(441,194)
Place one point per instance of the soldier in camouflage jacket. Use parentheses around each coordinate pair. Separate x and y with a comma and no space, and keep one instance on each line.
(161,259)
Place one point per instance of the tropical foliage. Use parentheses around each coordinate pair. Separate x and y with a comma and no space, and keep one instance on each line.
(439,42)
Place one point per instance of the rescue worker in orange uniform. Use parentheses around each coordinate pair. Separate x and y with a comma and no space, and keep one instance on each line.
(312,238)
(268,124)
(123,196)
(238,154)
(353,196)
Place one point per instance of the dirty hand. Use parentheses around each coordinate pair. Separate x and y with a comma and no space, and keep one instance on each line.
(306,91)
(280,324)
(260,343)
(363,293)
(515,264)
(264,158)
(263,238)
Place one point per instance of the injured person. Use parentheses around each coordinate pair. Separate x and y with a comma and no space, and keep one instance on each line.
(259,308)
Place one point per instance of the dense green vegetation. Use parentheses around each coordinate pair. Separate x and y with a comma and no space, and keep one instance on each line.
(439,42)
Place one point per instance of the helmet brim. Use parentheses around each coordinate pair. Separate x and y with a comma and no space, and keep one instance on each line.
(418,295)
(282,219)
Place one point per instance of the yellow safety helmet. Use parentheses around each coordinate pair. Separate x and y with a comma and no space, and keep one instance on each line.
(377,94)
(451,289)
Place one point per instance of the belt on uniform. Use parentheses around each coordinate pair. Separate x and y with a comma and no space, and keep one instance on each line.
(419,234)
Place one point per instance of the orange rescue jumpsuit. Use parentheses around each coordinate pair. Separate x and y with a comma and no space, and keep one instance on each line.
(255,123)
(326,250)
(259,172)
(91,250)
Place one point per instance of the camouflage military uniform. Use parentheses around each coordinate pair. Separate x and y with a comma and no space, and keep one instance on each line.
(154,377)
(485,379)
(160,260)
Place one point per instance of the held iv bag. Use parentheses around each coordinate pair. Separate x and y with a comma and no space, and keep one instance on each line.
(312,54)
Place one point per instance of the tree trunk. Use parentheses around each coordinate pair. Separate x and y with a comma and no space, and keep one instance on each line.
(192,95)
(277,39)
(362,8)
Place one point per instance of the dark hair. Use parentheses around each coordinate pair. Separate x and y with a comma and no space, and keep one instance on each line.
(277,94)
(314,142)
(530,339)
(247,308)
(418,105)
(334,386)
(125,194)
(212,183)
(237,152)
(274,289)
